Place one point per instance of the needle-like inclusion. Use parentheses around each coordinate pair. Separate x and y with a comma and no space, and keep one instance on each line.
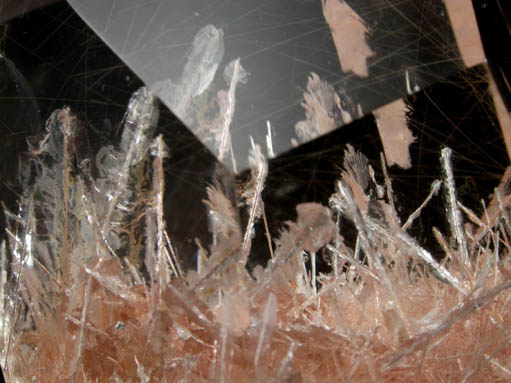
(92,291)
(198,73)
(123,169)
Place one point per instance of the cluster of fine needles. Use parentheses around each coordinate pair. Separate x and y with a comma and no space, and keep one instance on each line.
(92,289)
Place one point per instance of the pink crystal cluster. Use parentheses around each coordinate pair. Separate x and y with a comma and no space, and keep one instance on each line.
(94,292)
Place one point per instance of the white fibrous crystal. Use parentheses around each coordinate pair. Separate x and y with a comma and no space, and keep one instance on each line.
(216,129)
(139,125)
(325,109)
(234,72)
(252,196)
(121,170)
(319,102)
(202,62)
(93,291)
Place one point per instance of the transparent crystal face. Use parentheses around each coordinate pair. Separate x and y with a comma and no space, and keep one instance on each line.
(369,52)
